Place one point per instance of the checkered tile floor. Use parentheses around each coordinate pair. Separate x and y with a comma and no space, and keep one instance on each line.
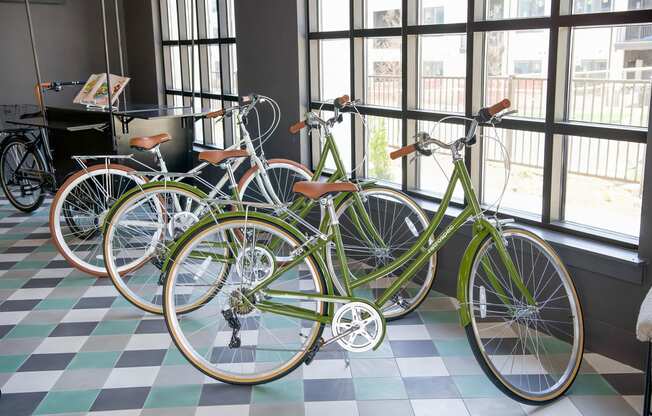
(70,345)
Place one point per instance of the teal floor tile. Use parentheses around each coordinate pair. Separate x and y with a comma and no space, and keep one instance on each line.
(379,388)
(278,391)
(56,304)
(32,265)
(30,331)
(591,385)
(77,281)
(94,360)
(11,283)
(476,386)
(173,396)
(116,327)
(174,357)
(11,363)
(453,347)
(67,402)
(439,317)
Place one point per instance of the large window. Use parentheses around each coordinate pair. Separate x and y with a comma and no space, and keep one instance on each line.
(581,87)
(200,61)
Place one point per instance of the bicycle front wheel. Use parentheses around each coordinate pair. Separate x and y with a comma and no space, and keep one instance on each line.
(22,171)
(140,230)
(232,337)
(531,351)
(378,225)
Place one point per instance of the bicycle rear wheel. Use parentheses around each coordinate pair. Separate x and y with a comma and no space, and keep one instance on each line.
(399,222)
(22,171)
(78,211)
(530,351)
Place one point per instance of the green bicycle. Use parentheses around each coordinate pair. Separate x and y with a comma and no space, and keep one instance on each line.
(272,292)
(143,224)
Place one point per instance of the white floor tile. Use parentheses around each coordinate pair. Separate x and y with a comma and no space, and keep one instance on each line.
(439,407)
(326,369)
(31,381)
(421,367)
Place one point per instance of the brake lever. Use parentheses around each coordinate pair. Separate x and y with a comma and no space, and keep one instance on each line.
(500,117)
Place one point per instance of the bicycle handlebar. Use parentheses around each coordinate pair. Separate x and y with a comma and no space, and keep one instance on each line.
(498,107)
(297,127)
(215,114)
(403,151)
(341,102)
(484,115)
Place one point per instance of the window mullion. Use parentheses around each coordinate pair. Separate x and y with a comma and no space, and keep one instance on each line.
(552,154)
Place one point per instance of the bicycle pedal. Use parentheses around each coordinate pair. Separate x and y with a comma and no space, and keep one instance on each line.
(312,352)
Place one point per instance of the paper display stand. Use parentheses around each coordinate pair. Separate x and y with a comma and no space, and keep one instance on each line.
(95,92)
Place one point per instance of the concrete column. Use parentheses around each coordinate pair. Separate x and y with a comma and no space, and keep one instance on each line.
(271,39)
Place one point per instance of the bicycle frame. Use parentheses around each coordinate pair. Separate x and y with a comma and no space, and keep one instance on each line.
(416,256)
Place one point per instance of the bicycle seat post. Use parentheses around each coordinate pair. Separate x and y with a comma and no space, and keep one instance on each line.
(159,159)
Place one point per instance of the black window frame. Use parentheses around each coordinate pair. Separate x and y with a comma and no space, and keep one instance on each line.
(225,41)
(555,126)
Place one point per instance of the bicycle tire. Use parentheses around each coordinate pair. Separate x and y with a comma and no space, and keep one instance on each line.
(37,157)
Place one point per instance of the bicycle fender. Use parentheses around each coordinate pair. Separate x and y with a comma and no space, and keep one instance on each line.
(464,274)
(178,185)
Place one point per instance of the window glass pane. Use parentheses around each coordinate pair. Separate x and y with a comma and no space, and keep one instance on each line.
(442,72)
(332,15)
(435,12)
(173,68)
(597,6)
(191,74)
(216,128)
(604,183)
(516,67)
(382,136)
(212,20)
(611,74)
(334,68)
(383,71)
(509,9)
(342,135)
(230,6)
(434,172)
(525,186)
(382,13)
(199,124)
(173,21)
(214,69)
(233,60)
